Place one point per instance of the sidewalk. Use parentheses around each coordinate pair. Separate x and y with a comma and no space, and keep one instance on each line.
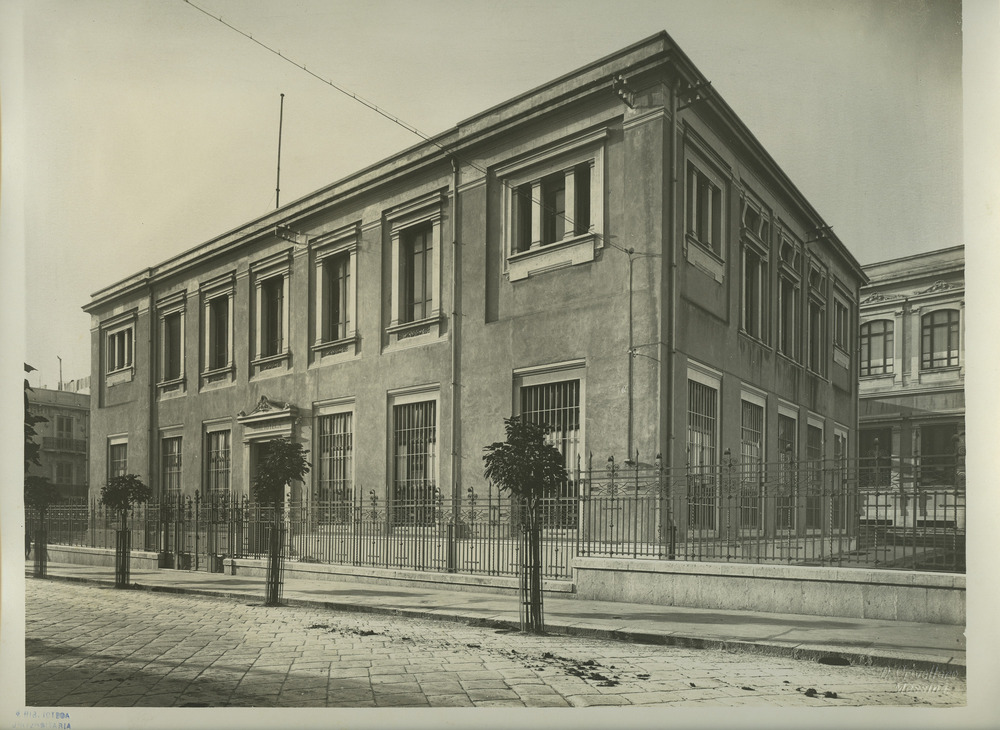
(927,647)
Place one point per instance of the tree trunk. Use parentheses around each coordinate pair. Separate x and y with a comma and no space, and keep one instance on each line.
(122,553)
(531,571)
(41,547)
(274,559)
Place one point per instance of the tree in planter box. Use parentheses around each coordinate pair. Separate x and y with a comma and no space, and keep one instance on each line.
(121,494)
(280,462)
(530,470)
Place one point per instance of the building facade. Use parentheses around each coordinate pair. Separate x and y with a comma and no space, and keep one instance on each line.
(613,254)
(912,362)
(63,438)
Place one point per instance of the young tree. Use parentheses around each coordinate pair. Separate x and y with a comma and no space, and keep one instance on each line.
(121,494)
(530,470)
(279,463)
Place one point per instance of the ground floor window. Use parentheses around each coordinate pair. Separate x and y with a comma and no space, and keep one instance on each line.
(335,451)
(217,476)
(414,461)
(171,469)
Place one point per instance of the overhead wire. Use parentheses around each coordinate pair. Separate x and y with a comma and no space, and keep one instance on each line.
(395,120)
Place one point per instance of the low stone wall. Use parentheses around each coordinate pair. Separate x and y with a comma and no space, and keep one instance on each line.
(388,576)
(140,560)
(843,592)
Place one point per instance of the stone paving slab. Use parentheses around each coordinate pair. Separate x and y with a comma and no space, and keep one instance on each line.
(872,642)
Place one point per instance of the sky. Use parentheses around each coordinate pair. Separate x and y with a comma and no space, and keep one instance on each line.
(150,127)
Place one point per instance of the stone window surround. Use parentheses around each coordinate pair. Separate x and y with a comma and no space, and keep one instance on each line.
(222,286)
(573,249)
(334,243)
(170,305)
(109,328)
(279,264)
(698,154)
(428,208)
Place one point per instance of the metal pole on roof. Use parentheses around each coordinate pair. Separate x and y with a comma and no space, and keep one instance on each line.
(277,187)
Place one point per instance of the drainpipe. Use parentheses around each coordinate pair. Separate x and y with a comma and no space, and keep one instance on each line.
(456,354)
(151,425)
(671,344)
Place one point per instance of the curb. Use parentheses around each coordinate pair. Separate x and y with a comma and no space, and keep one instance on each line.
(763,648)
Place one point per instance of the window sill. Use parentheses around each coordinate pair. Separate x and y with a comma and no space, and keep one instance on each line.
(941,369)
(116,377)
(417,328)
(271,364)
(877,376)
(702,257)
(550,257)
(841,357)
(346,346)
(218,376)
(171,388)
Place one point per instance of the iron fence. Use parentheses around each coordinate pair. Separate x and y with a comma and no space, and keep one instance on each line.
(880,512)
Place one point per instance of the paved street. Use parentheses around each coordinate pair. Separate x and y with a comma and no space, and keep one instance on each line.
(94,646)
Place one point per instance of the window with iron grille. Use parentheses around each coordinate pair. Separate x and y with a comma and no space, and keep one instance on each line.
(418,288)
(814,479)
(217,464)
(939,339)
(414,456)
(336,453)
(702,437)
(117,460)
(171,468)
(752,453)
(556,406)
(876,347)
(787,482)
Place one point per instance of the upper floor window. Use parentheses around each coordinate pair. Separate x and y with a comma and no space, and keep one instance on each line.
(704,208)
(417,261)
(335,284)
(939,339)
(119,349)
(788,317)
(271,280)
(171,346)
(841,324)
(755,297)
(553,206)
(415,231)
(876,347)
(817,337)
(217,328)
(64,427)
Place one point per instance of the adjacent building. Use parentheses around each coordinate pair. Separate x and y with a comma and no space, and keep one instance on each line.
(912,365)
(612,253)
(63,437)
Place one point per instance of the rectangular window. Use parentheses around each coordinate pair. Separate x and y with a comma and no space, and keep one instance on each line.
(217,464)
(171,342)
(939,339)
(117,460)
(841,324)
(272,316)
(704,209)
(64,427)
(119,354)
(814,479)
(817,338)
(787,481)
(752,471)
(755,312)
(64,472)
(417,272)
(414,456)
(336,300)
(553,208)
(218,332)
(788,320)
(171,468)
(877,347)
(938,446)
(556,405)
(702,436)
(562,207)
(336,454)
(875,446)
